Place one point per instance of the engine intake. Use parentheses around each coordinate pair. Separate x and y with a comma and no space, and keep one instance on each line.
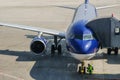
(38,45)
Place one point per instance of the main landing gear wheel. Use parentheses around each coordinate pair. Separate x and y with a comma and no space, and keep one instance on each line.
(59,50)
(56,46)
(52,50)
(116,51)
(109,50)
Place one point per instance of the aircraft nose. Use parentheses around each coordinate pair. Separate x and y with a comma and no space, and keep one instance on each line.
(82,46)
(86,47)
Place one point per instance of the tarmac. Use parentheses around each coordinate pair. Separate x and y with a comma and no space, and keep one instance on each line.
(18,63)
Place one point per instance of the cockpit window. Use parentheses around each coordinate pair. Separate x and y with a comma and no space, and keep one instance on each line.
(84,36)
(87,36)
(78,36)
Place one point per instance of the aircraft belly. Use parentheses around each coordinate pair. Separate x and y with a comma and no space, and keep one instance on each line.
(82,57)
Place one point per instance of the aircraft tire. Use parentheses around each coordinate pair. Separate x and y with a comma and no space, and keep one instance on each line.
(79,71)
(52,50)
(109,51)
(59,50)
(116,51)
(84,70)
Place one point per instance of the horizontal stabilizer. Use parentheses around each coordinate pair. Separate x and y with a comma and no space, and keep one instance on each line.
(110,6)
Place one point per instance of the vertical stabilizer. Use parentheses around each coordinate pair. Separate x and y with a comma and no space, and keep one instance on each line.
(86,1)
(85,11)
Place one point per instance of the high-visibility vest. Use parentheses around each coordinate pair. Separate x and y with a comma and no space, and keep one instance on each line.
(90,68)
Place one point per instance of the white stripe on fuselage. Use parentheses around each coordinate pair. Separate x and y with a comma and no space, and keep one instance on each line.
(82,57)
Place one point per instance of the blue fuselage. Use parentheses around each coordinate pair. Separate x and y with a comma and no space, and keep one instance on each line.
(80,39)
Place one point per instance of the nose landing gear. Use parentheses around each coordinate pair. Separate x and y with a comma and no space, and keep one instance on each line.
(85,70)
(82,69)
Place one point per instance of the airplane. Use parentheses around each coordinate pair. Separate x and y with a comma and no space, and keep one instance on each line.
(80,40)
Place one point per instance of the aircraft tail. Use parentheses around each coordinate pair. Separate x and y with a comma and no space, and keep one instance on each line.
(85,11)
(86,1)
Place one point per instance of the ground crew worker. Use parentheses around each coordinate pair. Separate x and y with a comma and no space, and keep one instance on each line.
(90,69)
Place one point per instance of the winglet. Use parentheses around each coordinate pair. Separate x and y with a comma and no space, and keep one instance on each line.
(86,1)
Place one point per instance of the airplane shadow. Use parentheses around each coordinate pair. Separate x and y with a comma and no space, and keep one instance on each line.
(66,7)
(46,67)
(111,59)
(56,68)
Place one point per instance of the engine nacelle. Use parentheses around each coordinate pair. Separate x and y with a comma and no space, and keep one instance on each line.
(38,45)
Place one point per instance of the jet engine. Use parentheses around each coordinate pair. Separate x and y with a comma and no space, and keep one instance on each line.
(38,45)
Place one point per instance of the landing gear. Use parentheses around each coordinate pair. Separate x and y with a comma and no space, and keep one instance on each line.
(56,46)
(59,50)
(82,69)
(109,50)
(85,70)
(116,51)
(52,50)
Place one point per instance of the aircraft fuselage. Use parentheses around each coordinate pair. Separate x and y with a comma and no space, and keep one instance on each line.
(79,39)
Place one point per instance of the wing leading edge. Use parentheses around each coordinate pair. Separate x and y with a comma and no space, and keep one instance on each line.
(35,29)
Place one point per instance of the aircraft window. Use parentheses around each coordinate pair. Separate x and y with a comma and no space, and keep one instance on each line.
(79,36)
(87,37)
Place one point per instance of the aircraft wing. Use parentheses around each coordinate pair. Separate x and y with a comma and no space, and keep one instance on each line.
(110,6)
(35,29)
